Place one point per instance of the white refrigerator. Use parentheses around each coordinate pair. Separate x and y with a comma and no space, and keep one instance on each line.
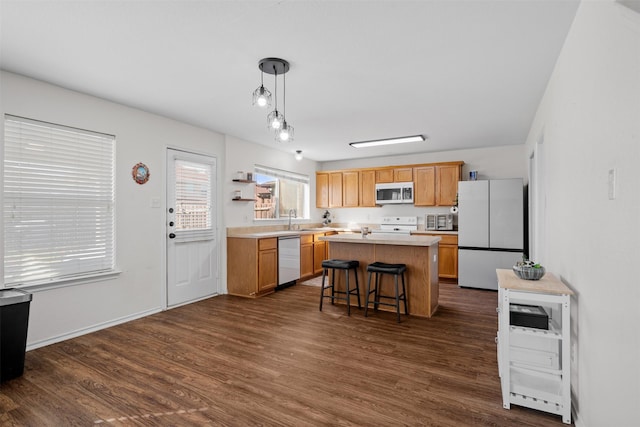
(490,230)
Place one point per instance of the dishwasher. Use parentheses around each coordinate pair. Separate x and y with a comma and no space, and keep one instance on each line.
(288,261)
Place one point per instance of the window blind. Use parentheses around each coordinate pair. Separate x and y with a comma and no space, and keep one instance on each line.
(58,208)
(193,196)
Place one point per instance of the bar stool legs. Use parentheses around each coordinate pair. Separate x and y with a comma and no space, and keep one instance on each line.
(333,265)
(379,268)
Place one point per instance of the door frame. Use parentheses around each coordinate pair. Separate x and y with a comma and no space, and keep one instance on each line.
(164,294)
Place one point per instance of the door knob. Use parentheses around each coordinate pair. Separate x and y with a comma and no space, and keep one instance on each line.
(172,235)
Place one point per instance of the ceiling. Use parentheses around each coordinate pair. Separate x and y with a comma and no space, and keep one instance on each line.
(466,74)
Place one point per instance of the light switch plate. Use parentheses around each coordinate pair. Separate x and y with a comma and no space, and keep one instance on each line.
(612,184)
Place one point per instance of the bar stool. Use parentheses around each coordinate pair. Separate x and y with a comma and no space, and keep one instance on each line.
(338,264)
(396,270)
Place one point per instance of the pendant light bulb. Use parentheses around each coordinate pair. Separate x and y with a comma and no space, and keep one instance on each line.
(285,133)
(262,96)
(298,155)
(275,120)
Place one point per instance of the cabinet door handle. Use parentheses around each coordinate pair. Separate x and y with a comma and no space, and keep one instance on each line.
(172,235)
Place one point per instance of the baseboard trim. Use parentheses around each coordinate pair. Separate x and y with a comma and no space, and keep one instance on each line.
(90,329)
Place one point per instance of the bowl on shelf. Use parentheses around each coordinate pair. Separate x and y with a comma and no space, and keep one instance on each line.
(528,272)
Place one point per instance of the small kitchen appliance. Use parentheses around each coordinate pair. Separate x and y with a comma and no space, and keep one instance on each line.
(394,192)
(438,221)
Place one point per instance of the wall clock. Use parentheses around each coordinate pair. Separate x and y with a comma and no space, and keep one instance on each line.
(140,173)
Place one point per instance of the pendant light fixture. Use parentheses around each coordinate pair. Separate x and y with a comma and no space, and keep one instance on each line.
(262,96)
(285,133)
(276,120)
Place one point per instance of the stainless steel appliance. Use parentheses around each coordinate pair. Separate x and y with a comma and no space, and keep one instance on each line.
(438,221)
(490,230)
(397,225)
(288,260)
(394,192)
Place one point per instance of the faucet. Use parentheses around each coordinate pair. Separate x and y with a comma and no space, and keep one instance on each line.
(292,212)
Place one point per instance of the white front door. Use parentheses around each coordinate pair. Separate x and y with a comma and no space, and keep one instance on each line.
(192,246)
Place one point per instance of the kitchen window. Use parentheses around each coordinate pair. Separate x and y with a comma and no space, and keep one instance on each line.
(277,192)
(58,211)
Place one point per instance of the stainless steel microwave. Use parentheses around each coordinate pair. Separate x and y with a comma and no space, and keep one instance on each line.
(394,192)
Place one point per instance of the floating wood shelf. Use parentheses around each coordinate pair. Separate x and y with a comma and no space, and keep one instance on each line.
(243,200)
(246,181)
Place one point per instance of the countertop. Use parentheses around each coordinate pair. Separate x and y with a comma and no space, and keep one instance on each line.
(315,230)
(284,233)
(384,239)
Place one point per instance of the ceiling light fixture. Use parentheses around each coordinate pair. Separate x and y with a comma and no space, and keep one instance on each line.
(276,121)
(298,155)
(285,133)
(389,141)
(262,96)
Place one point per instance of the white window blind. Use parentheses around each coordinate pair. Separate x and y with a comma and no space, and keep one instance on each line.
(58,208)
(193,196)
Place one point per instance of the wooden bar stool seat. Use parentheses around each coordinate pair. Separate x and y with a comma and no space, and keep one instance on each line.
(380,268)
(339,264)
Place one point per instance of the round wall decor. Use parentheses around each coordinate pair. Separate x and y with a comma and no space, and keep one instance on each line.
(140,173)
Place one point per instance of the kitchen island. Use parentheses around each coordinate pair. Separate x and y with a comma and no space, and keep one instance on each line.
(419,253)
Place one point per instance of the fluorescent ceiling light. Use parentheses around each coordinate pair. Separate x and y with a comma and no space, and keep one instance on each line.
(401,140)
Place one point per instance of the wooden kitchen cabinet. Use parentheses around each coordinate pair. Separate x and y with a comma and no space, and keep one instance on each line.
(319,252)
(351,189)
(436,185)
(447,177)
(322,190)
(367,188)
(335,190)
(252,266)
(384,175)
(394,175)
(448,256)
(403,175)
(424,186)
(306,256)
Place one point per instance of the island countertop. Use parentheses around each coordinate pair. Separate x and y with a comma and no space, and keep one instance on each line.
(384,239)
(418,253)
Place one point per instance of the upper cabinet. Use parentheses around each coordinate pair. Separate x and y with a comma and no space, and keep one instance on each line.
(435,184)
(322,190)
(367,190)
(335,189)
(424,186)
(350,189)
(447,177)
(394,175)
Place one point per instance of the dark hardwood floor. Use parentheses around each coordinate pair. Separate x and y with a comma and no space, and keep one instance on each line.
(276,360)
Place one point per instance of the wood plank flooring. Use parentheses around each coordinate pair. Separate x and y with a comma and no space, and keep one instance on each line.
(275,360)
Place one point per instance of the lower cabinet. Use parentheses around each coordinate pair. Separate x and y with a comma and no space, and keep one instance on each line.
(319,253)
(252,266)
(447,256)
(534,343)
(306,256)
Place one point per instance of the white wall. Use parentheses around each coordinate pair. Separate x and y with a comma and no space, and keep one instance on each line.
(140,229)
(589,120)
(491,163)
(243,156)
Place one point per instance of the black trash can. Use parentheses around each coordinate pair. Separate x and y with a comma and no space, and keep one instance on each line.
(14,320)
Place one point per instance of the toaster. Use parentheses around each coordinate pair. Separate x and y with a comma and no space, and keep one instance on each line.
(438,222)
